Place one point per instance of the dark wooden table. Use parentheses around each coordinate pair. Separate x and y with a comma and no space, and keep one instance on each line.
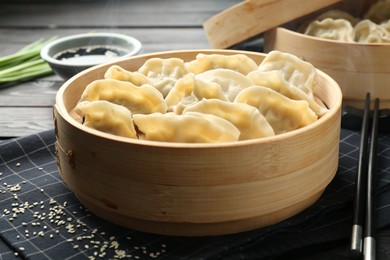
(160,25)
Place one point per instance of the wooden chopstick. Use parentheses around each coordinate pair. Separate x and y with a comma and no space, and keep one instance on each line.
(364,204)
(369,227)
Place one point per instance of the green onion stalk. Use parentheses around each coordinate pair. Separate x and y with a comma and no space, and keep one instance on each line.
(26,64)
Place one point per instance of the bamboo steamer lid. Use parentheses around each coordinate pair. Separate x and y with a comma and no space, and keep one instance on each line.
(252,17)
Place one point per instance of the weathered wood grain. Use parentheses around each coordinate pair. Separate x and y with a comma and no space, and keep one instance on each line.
(25,108)
(20,121)
(110,13)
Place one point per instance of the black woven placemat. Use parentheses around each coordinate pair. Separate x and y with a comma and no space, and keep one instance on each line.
(42,219)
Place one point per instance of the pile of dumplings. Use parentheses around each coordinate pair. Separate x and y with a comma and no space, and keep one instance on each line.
(214,98)
(338,25)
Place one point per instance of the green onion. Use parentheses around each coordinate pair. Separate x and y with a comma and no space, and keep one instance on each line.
(26,64)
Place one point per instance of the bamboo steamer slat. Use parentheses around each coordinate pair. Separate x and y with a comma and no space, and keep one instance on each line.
(195,189)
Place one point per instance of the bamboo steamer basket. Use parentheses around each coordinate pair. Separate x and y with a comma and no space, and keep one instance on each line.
(357,68)
(195,189)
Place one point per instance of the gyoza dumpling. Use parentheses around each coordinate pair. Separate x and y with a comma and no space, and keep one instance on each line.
(386,25)
(189,128)
(107,117)
(246,118)
(338,30)
(163,73)
(182,89)
(379,11)
(189,90)
(338,14)
(238,62)
(294,70)
(143,100)
(231,82)
(290,76)
(119,73)
(369,32)
(282,113)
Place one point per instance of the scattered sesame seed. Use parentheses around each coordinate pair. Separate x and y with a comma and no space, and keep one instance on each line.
(15,188)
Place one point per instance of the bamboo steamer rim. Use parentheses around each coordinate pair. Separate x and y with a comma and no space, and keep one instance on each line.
(329,41)
(62,110)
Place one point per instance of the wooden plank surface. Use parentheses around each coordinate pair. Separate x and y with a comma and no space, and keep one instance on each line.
(160,25)
(109,13)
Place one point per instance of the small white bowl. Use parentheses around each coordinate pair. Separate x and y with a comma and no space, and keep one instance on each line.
(70,55)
